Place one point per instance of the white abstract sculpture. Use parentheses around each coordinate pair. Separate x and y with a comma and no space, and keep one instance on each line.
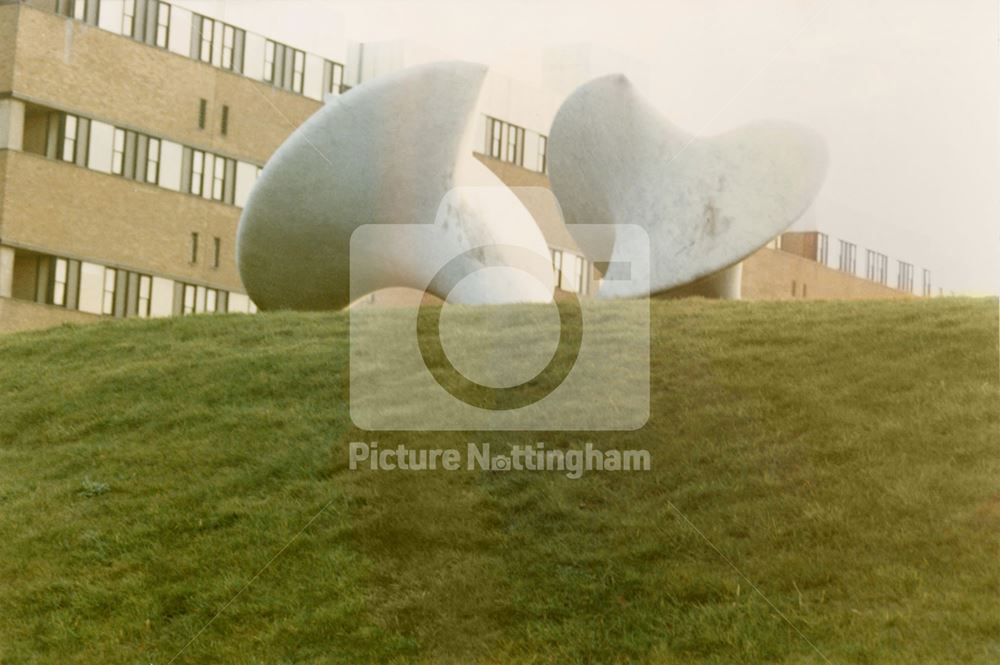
(396,150)
(706,203)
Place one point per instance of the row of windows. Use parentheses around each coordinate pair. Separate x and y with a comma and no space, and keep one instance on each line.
(97,289)
(215,42)
(209,176)
(507,142)
(137,156)
(284,66)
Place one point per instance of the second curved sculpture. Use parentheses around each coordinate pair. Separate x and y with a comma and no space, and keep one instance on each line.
(705,203)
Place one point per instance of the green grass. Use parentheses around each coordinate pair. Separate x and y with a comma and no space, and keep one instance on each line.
(844,457)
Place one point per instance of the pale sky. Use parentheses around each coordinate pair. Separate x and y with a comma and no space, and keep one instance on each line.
(906,92)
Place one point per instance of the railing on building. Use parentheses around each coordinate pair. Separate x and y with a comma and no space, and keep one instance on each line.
(513,144)
(876,263)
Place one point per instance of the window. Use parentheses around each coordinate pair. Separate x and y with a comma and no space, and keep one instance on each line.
(197,172)
(216,255)
(207,35)
(202,112)
(70,126)
(926,290)
(225,120)
(153,161)
(569,272)
(574,273)
(904,277)
(804,286)
(794,288)
(187,299)
(543,144)
(269,48)
(211,300)
(219,179)
(228,43)
(108,295)
(335,77)
(194,248)
(823,248)
(494,141)
(515,144)
(298,70)
(848,257)
(60,276)
(145,296)
(506,141)
(128,18)
(162,24)
(80,10)
(118,152)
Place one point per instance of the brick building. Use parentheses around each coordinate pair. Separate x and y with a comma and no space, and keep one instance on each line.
(131,132)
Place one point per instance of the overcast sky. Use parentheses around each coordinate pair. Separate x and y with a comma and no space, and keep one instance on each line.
(907,92)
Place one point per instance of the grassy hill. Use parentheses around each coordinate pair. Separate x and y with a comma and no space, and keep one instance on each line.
(825,488)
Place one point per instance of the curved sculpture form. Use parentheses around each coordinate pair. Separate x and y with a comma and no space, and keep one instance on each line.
(706,203)
(397,150)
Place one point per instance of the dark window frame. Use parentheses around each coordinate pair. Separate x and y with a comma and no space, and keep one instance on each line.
(334,83)
(151,161)
(270,58)
(129,16)
(143,311)
(197,156)
(208,42)
(118,155)
(165,26)
(185,290)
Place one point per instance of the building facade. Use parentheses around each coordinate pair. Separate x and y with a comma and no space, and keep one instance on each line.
(132,131)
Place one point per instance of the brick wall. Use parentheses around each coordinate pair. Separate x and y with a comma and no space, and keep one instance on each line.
(802,243)
(80,68)
(769,275)
(8,32)
(70,211)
